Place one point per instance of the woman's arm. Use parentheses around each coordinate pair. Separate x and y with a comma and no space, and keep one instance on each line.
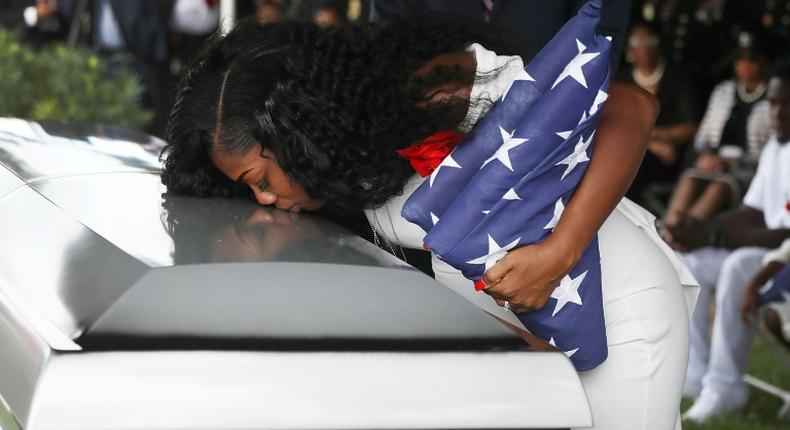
(622,136)
(527,276)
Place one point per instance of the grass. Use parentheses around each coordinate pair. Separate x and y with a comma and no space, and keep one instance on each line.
(760,412)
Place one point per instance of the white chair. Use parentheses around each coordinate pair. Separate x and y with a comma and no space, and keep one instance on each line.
(783,356)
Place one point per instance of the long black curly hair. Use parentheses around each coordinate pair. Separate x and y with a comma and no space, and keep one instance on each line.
(333,105)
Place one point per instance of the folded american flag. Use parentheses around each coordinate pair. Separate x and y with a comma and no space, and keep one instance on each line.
(777,289)
(508,182)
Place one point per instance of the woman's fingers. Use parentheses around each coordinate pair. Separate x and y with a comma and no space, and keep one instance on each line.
(512,307)
(497,272)
(496,293)
(520,300)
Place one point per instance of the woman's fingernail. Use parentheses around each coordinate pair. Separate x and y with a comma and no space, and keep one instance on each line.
(480,285)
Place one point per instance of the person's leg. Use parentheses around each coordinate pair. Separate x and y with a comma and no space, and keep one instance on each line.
(682,198)
(639,385)
(643,373)
(723,389)
(711,201)
(705,265)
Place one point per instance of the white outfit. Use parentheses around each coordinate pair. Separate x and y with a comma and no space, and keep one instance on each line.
(781,255)
(646,311)
(722,99)
(716,373)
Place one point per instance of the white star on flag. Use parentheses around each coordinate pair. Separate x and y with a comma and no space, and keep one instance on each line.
(508,143)
(448,161)
(567,292)
(574,68)
(487,212)
(564,134)
(434,218)
(583,118)
(495,252)
(599,99)
(511,195)
(559,208)
(522,76)
(567,353)
(579,155)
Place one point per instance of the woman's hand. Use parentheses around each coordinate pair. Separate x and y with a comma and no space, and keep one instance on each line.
(710,163)
(527,276)
(665,151)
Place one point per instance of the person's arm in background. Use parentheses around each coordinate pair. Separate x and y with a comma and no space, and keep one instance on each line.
(741,227)
(526,276)
(669,142)
(773,262)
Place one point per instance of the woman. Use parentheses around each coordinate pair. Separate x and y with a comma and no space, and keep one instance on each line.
(307,119)
(680,110)
(733,132)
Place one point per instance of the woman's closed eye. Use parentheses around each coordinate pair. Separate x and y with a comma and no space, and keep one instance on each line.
(262,185)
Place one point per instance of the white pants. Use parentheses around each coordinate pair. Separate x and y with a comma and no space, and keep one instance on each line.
(720,368)
(638,386)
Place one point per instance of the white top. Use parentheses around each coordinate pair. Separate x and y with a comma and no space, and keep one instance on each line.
(722,99)
(633,255)
(493,76)
(770,188)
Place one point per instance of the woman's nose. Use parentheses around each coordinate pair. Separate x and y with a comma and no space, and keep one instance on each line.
(265,198)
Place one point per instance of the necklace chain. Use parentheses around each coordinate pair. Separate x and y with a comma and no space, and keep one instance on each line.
(651,79)
(749,97)
(381,240)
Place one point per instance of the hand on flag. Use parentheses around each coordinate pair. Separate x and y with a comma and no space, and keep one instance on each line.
(528,276)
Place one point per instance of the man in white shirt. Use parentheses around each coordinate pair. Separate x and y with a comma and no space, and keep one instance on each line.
(724,255)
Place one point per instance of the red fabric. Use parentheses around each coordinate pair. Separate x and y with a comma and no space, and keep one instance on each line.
(428,154)
(787,206)
(211,3)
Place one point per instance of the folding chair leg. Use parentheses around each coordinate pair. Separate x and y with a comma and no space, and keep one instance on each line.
(783,395)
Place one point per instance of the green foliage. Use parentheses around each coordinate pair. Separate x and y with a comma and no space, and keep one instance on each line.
(65,84)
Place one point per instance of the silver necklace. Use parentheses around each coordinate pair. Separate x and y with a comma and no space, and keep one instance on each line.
(749,97)
(381,240)
(651,79)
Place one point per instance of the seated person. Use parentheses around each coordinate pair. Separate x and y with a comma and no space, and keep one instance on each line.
(734,130)
(724,254)
(680,108)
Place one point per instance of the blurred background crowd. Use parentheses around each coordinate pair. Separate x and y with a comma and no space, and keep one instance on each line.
(708,62)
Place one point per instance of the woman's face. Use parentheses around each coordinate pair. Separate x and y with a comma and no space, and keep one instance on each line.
(643,47)
(747,70)
(269,184)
